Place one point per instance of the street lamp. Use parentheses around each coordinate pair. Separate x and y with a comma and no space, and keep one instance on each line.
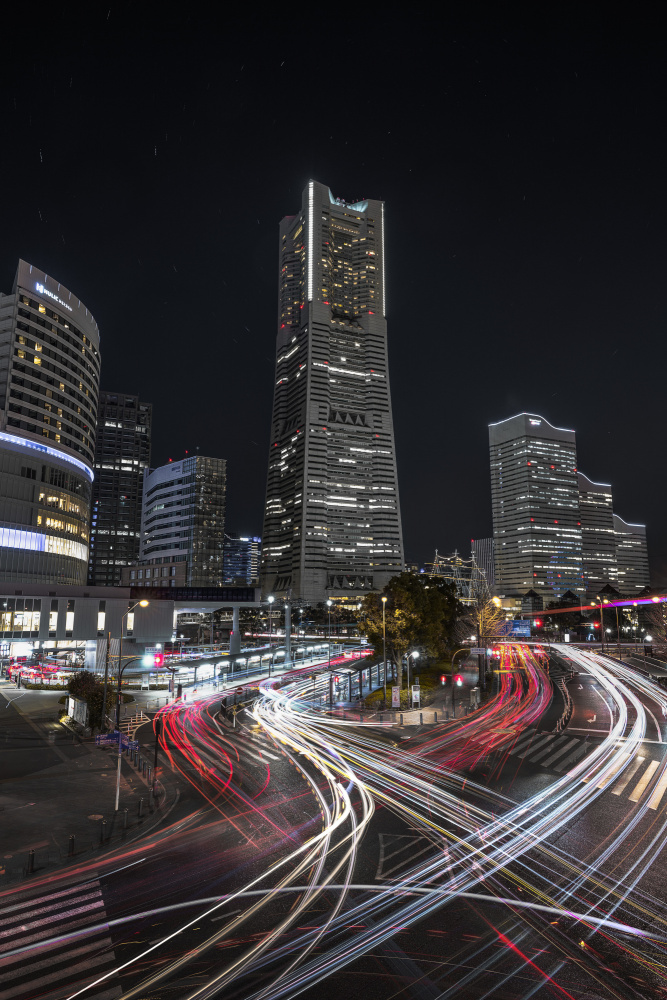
(270,599)
(415,654)
(384,651)
(329,603)
(139,604)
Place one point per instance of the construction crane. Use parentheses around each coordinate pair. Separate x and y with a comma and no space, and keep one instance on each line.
(468,578)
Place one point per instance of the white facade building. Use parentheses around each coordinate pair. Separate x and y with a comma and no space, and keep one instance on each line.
(332,523)
(631,556)
(49,387)
(535,500)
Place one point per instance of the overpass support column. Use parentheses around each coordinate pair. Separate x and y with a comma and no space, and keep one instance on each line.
(235,635)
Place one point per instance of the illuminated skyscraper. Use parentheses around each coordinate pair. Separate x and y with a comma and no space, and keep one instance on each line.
(598,542)
(332,524)
(535,497)
(122,456)
(49,382)
(631,556)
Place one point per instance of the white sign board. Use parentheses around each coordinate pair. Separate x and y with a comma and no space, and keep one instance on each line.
(415,695)
(566,637)
(478,651)
(396,697)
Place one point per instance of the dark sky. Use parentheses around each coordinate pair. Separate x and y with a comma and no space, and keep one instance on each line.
(148,156)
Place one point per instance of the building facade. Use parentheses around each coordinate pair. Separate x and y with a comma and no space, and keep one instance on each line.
(49,387)
(122,456)
(332,523)
(631,556)
(535,500)
(482,551)
(183,520)
(241,558)
(598,541)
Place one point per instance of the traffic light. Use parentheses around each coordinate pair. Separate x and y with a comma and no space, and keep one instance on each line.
(443,678)
(538,623)
(158,659)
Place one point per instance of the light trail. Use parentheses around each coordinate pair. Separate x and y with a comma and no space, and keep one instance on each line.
(486,848)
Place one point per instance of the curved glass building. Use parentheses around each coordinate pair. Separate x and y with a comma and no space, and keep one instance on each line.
(49,387)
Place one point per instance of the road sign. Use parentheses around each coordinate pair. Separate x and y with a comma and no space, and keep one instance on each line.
(478,651)
(239,690)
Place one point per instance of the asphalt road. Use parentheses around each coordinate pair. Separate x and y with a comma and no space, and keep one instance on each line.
(306,856)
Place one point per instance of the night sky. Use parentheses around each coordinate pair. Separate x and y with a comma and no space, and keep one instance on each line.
(148,156)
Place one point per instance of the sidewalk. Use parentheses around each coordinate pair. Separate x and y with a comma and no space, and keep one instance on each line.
(53,785)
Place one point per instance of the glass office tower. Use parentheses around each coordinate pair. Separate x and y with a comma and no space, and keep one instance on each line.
(535,499)
(332,523)
(122,456)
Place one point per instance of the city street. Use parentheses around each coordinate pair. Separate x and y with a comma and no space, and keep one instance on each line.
(305,851)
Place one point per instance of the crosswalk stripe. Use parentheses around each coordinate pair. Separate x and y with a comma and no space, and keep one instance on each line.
(644,780)
(658,791)
(626,778)
(607,779)
(545,750)
(570,759)
(36,960)
(522,742)
(538,743)
(559,752)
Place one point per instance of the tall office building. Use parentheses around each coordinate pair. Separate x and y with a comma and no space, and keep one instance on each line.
(535,498)
(631,556)
(598,542)
(332,524)
(183,522)
(49,383)
(242,556)
(482,551)
(122,455)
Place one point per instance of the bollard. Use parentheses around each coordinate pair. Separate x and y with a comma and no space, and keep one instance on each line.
(103,832)
(421,719)
(125,819)
(141,808)
(400,719)
(150,798)
(435,716)
(148,774)
(72,842)
(31,862)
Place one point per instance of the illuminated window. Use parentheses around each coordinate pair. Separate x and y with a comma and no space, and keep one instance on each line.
(57,437)
(21,353)
(42,309)
(37,360)
(21,340)
(39,347)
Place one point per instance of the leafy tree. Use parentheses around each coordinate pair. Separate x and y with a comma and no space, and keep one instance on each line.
(417,613)
(485,619)
(655,618)
(90,688)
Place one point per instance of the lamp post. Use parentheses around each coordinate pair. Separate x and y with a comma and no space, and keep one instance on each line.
(384,651)
(415,654)
(270,599)
(139,604)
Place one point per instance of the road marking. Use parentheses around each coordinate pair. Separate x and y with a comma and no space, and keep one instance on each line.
(623,782)
(538,743)
(559,753)
(644,780)
(51,961)
(658,791)
(547,749)
(607,779)
(522,742)
(577,752)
